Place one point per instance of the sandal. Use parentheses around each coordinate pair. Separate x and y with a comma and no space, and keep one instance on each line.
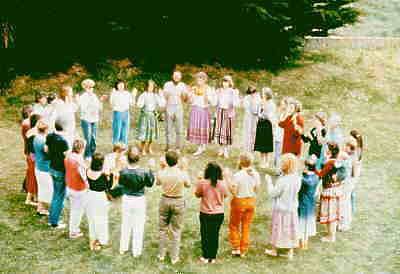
(271,252)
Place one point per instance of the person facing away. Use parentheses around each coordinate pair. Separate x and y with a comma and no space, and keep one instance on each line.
(131,185)
(172,179)
(212,190)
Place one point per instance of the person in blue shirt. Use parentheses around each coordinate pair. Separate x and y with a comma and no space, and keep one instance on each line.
(306,210)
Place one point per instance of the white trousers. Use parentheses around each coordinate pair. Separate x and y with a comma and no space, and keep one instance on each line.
(346,207)
(45,186)
(97,213)
(133,219)
(78,203)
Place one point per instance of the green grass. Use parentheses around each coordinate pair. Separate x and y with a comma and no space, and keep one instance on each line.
(380,18)
(361,85)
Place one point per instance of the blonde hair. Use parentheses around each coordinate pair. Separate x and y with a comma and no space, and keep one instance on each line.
(119,147)
(88,83)
(245,160)
(78,145)
(288,163)
(266,93)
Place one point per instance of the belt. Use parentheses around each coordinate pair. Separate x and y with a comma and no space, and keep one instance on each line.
(172,197)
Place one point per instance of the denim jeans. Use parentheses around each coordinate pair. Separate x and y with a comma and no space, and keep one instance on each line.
(120,127)
(57,202)
(89,133)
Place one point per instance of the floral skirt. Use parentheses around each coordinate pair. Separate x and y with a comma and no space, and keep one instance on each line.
(284,229)
(330,203)
(224,127)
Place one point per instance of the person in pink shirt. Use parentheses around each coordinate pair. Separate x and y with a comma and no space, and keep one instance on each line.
(212,190)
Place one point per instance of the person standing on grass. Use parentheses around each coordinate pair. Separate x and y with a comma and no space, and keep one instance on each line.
(65,109)
(132,183)
(121,101)
(77,187)
(42,169)
(172,179)
(251,105)
(201,97)
(357,164)
(292,123)
(244,187)
(227,100)
(147,130)
(90,106)
(56,148)
(25,126)
(31,182)
(264,142)
(212,190)
(278,131)
(285,221)
(306,211)
(97,202)
(316,137)
(331,194)
(175,94)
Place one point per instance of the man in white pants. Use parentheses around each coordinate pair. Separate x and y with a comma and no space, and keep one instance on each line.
(131,185)
(174,93)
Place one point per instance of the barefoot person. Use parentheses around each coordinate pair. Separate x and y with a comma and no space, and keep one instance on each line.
(172,180)
(212,190)
(147,130)
(285,221)
(201,97)
(175,94)
(227,100)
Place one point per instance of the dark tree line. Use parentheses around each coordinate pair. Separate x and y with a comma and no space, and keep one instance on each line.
(48,35)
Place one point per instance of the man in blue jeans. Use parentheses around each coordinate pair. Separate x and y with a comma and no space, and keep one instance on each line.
(57,146)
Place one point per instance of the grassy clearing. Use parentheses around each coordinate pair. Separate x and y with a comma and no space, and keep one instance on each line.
(361,85)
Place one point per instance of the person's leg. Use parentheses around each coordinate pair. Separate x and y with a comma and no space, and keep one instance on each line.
(93,143)
(234,225)
(176,228)
(179,128)
(142,147)
(87,132)
(126,225)
(139,218)
(215,225)
(116,127)
(247,218)
(125,125)
(164,220)
(102,222)
(168,129)
(77,208)
(57,203)
(203,235)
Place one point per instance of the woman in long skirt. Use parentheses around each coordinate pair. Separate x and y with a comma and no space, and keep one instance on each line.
(98,204)
(264,142)
(201,97)
(251,104)
(227,101)
(147,130)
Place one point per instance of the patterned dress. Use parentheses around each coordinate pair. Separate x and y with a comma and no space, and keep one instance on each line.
(148,102)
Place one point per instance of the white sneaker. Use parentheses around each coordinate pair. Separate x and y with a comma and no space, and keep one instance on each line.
(58,226)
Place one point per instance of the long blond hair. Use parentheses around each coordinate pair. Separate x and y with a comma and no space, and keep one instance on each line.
(289,163)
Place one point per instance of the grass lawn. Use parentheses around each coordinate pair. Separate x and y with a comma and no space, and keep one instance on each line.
(361,85)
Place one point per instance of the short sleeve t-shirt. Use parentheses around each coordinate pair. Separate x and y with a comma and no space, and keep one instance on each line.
(57,145)
(173,181)
(42,162)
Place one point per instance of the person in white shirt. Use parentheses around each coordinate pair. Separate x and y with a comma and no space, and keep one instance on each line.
(147,129)
(40,106)
(65,108)
(227,100)
(201,97)
(267,121)
(285,220)
(244,187)
(175,93)
(251,105)
(121,100)
(90,106)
